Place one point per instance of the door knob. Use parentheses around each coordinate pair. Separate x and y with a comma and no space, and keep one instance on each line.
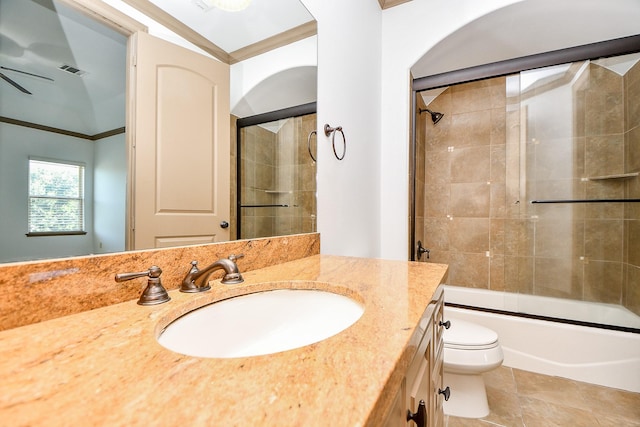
(224,224)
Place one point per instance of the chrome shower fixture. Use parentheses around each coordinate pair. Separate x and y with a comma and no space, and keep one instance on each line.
(435,116)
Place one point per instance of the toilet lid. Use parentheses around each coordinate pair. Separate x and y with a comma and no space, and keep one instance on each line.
(465,334)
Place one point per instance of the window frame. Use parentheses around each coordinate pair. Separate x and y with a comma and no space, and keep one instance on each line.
(82,199)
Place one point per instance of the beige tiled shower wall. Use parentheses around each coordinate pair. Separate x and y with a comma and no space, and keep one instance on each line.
(296,176)
(278,170)
(631,289)
(463,204)
(419,157)
(258,177)
(307,183)
(498,148)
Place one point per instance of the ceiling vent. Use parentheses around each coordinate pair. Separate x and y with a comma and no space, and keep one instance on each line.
(72,70)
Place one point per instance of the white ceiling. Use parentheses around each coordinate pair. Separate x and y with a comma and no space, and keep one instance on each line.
(38,37)
(234,30)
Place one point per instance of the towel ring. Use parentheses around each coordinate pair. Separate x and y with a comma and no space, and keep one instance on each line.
(328,130)
(313,132)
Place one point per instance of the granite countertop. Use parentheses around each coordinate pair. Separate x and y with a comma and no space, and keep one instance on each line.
(105,367)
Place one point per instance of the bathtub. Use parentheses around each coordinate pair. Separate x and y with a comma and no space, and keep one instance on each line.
(599,356)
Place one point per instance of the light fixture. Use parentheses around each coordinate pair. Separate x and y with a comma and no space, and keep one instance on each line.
(228,5)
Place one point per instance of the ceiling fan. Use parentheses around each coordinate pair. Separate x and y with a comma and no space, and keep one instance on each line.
(14,83)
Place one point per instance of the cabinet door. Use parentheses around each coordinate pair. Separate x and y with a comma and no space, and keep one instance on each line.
(398,415)
(420,386)
(436,413)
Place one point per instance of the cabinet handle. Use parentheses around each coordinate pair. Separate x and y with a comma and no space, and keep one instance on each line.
(446,324)
(420,417)
(446,392)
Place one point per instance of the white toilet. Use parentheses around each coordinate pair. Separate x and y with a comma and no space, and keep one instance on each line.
(469,350)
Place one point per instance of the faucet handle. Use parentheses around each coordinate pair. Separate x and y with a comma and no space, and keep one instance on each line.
(194,267)
(153,271)
(154,293)
(234,276)
(234,257)
(188,285)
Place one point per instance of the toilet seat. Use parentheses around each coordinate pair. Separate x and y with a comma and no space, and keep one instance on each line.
(472,347)
(469,336)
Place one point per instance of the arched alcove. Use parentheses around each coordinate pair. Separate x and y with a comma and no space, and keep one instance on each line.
(284,89)
(527,28)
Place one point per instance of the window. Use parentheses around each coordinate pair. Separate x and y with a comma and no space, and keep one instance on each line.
(56,198)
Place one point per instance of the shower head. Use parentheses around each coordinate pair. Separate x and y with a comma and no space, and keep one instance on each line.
(435,116)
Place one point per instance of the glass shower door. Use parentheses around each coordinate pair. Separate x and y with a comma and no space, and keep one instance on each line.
(276,179)
(579,182)
(529,185)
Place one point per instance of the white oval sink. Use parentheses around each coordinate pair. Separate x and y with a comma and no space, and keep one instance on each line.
(261,323)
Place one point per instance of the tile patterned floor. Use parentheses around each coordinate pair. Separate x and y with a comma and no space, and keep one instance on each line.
(525,399)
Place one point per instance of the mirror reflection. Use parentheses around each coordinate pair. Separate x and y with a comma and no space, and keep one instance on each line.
(276,183)
(63,98)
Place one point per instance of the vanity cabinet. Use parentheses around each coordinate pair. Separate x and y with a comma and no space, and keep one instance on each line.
(422,384)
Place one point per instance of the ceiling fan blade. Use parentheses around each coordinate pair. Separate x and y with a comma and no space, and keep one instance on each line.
(24,72)
(14,84)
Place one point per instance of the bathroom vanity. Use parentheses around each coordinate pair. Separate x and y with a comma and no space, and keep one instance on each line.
(418,401)
(106,367)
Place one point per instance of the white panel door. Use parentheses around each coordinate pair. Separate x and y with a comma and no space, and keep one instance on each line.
(181,154)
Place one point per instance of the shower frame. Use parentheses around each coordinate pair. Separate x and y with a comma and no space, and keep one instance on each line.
(615,47)
(285,113)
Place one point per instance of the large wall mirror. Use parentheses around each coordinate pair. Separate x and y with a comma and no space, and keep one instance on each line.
(63,97)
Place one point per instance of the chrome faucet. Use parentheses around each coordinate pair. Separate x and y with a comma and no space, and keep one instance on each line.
(197,280)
